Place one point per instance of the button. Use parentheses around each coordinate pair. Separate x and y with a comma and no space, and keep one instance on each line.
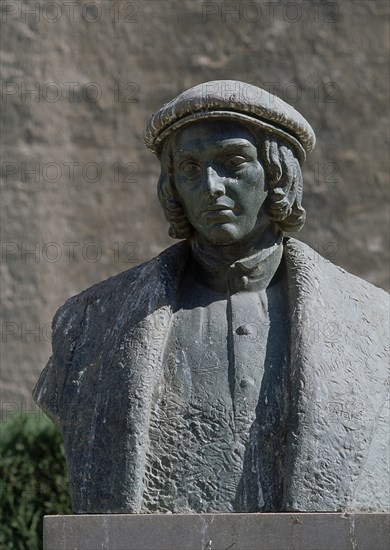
(245,330)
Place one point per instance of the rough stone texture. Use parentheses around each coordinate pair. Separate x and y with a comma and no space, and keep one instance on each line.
(218,532)
(163,48)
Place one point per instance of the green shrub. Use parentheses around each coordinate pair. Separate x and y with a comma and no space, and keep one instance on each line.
(33,479)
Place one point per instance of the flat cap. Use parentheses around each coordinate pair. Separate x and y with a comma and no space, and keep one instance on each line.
(236,101)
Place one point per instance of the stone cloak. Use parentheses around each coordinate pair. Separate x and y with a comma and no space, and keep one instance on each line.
(102,381)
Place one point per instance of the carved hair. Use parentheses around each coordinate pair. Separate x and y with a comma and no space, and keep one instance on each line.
(283,178)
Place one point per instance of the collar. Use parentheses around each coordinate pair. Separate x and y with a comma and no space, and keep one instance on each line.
(252,273)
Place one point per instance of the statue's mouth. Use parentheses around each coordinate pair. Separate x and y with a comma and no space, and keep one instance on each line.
(219,207)
(222,212)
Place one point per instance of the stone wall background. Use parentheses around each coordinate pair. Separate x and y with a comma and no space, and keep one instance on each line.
(99,69)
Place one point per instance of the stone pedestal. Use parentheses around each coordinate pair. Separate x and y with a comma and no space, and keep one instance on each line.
(293,531)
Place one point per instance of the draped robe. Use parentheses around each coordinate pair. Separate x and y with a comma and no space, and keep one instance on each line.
(101,385)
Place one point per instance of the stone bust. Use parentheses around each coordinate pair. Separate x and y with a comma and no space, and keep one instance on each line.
(237,371)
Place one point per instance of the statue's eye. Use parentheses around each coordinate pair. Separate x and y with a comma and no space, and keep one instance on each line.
(190,169)
(235,161)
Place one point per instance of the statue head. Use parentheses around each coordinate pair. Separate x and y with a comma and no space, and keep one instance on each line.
(226,171)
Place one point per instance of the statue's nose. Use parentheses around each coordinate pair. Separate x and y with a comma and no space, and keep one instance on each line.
(214,183)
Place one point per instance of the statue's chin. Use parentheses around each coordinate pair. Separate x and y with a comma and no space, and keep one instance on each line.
(223,234)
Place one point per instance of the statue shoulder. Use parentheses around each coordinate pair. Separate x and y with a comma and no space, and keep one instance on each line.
(326,283)
(303,255)
(83,324)
(108,295)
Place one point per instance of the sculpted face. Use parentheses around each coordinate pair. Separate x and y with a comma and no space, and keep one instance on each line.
(220,181)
